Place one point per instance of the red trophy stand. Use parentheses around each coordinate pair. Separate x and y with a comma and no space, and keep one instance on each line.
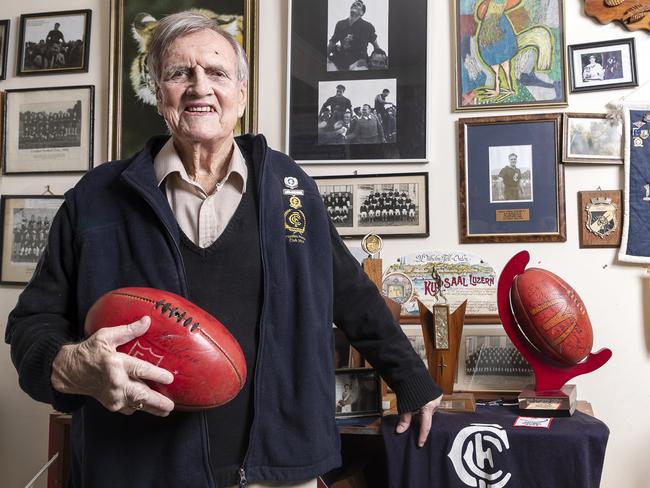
(550,393)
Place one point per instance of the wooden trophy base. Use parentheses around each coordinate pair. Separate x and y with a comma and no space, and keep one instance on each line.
(458,402)
(552,403)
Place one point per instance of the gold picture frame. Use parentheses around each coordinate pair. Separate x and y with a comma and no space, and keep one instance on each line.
(126,134)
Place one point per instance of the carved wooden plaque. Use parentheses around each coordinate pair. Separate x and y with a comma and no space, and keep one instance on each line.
(633,14)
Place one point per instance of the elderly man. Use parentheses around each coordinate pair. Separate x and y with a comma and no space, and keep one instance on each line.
(204,215)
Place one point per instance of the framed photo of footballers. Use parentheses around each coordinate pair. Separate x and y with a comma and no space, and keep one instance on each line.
(589,138)
(48,130)
(509,54)
(358,393)
(357,73)
(54,43)
(390,205)
(4,42)
(602,65)
(511,179)
(133,117)
(26,221)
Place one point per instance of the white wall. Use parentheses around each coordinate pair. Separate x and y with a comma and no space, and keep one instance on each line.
(616,294)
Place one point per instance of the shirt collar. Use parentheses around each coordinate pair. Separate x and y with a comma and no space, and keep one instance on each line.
(167,161)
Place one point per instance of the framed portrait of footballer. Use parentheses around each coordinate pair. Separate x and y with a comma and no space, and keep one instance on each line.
(511,179)
(133,117)
(390,205)
(509,54)
(358,393)
(4,42)
(48,130)
(356,81)
(54,43)
(591,139)
(26,221)
(602,65)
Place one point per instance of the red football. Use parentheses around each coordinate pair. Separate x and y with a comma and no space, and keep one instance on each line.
(207,362)
(551,315)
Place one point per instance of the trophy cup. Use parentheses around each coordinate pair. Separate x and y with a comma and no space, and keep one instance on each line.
(551,331)
(442,333)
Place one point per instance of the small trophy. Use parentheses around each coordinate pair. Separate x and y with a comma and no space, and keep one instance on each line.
(442,333)
(372,265)
(547,322)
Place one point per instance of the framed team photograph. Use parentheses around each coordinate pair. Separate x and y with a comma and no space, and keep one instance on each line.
(358,393)
(357,73)
(509,54)
(4,42)
(602,65)
(511,182)
(132,103)
(26,221)
(591,139)
(54,42)
(48,130)
(391,205)
(489,362)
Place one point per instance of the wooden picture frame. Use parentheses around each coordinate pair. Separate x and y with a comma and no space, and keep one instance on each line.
(589,138)
(26,221)
(390,205)
(489,365)
(362,396)
(132,107)
(48,130)
(329,82)
(600,218)
(515,61)
(500,202)
(54,42)
(602,65)
(4,44)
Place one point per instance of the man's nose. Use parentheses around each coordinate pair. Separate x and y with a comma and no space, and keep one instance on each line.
(200,83)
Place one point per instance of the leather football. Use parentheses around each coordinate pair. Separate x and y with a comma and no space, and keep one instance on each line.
(207,362)
(552,316)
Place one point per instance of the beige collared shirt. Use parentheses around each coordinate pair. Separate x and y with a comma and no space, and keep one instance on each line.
(201,217)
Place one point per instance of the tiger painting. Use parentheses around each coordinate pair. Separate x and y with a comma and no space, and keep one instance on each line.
(142,29)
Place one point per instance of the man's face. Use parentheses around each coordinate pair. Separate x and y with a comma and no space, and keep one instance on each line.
(365,110)
(200,95)
(592,59)
(339,91)
(355,12)
(513,161)
(347,117)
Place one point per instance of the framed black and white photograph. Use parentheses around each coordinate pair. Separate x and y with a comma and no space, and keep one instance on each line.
(358,393)
(391,205)
(357,37)
(414,334)
(54,42)
(26,221)
(4,42)
(602,65)
(489,362)
(357,74)
(351,112)
(591,139)
(48,130)
(511,179)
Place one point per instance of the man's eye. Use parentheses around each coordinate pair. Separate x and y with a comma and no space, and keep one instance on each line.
(178,74)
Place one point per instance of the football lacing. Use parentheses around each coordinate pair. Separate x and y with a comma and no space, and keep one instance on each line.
(175,314)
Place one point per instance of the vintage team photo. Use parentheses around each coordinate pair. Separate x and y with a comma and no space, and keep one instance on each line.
(511,173)
(54,42)
(357,112)
(358,393)
(26,222)
(48,130)
(390,205)
(357,35)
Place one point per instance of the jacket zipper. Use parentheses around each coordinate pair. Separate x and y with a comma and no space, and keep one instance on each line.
(243,482)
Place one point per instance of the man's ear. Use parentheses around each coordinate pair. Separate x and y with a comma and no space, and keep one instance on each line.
(243,97)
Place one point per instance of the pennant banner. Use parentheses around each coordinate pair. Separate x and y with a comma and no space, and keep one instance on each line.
(635,243)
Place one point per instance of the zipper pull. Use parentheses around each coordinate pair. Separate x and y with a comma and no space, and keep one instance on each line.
(243,482)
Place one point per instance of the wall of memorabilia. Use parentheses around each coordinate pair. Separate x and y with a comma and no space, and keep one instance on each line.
(482,159)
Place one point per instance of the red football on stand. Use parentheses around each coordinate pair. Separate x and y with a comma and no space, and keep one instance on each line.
(207,362)
(551,315)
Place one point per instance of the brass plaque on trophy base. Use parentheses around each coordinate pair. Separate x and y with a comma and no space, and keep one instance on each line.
(555,403)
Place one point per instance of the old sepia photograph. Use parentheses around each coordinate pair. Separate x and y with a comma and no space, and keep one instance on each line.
(592,138)
(357,35)
(511,173)
(54,42)
(357,112)
(357,393)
